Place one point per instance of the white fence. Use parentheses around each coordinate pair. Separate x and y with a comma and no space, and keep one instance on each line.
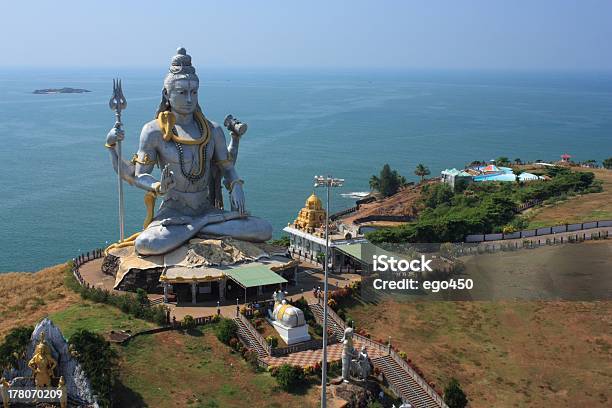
(557,229)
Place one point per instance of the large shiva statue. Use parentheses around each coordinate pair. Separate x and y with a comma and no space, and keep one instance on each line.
(192,154)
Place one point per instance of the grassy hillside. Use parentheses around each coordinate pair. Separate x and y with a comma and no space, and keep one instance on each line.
(579,208)
(168,369)
(173,369)
(28,297)
(505,354)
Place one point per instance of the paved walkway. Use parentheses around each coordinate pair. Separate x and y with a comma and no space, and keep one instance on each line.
(308,278)
(92,274)
(312,357)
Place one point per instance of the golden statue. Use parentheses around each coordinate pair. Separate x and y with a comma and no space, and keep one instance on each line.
(62,387)
(42,364)
(4,386)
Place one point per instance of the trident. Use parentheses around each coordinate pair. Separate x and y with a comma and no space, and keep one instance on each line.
(118,103)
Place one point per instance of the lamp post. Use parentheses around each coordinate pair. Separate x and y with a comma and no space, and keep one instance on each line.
(327,182)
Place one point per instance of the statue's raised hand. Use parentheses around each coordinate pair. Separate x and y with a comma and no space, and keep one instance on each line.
(114,135)
(237,197)
(167,181)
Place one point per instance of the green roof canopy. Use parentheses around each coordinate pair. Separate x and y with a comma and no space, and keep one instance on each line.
(249,276)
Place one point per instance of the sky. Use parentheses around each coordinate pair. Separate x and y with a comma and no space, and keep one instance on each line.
(438,34)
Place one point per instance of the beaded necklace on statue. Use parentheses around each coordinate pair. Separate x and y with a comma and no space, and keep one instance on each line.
(202,142)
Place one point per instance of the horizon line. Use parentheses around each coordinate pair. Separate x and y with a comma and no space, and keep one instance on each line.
(319,68)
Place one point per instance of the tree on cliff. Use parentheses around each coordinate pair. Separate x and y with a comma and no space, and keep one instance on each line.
(387,182)
(608,163)
(422,171)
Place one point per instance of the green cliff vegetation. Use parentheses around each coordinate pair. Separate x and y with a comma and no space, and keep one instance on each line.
(482,207)
(14,346)
(98,360)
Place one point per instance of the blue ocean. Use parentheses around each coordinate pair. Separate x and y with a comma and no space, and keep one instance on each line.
(59,193)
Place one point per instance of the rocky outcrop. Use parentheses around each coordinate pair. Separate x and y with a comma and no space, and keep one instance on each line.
(355,395)
(197,253)
(77,384)
(110,265)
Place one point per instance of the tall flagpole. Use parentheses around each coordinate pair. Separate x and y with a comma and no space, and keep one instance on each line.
(328,182)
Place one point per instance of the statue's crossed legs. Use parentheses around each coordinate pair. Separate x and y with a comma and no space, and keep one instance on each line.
(168,232)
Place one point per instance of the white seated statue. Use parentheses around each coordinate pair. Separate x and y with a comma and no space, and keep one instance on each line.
(288,320)
(191,152)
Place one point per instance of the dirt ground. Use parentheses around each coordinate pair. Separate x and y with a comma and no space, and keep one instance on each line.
(25,298)
(507,353)
(405,202)
(588,207)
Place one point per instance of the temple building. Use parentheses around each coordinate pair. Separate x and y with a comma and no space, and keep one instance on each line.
(307,232)
(307,237)
(311,218)
(254,280)
(205,271)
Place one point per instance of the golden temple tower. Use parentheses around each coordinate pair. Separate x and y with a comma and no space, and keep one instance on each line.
(312,216)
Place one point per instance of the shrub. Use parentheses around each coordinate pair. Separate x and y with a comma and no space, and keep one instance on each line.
(136,306)
(302,304)
(141,296)
(188,322)
(454,395)
(334,368)
(14,346)
(403,355)
(332,303)
(309,370)
(225,330)
(251,357)
(289,377)
(434,195)
(282,241)
(272,341)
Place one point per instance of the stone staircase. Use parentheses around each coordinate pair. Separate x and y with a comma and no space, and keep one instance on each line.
(317,311)
(398,379)
(248,339)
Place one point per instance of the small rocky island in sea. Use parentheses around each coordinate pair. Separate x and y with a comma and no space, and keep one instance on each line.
(59,90)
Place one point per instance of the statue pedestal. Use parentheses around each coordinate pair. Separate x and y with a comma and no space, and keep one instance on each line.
(292,335)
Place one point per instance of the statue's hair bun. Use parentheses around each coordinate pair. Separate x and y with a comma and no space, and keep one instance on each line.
(181,63)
